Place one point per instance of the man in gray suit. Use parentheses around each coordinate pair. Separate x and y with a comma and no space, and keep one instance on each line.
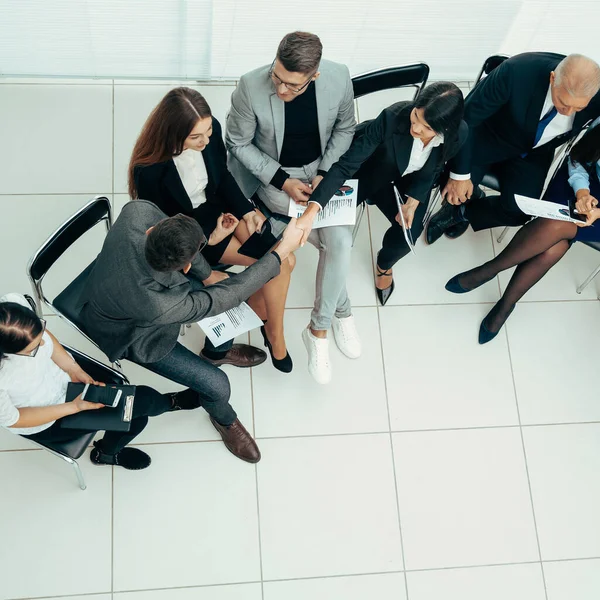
(138,295)
(288,124)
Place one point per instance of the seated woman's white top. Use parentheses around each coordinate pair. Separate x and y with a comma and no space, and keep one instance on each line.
(194,177)
(29,381)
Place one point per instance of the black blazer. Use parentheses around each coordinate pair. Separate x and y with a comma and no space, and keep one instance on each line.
(380,153)
(160,183)
(503,112)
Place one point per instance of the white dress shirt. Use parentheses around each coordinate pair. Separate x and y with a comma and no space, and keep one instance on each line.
(192,172)
(420,153)
(559,125)
(27,381)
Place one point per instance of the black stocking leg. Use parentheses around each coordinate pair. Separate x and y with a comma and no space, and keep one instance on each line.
(533,239)
(527,274)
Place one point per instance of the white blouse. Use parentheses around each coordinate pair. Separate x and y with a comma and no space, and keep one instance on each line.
(29,381)
(420,153)
(192,172)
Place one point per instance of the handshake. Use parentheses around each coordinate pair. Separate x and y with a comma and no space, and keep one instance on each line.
(294,236)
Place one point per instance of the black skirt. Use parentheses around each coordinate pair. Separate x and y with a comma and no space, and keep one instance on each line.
(207,215)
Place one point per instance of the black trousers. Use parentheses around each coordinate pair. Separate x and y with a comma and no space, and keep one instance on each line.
(148,403)
(393,245)
(524,176)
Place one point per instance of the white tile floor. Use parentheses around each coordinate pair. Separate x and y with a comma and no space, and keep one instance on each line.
(430,469)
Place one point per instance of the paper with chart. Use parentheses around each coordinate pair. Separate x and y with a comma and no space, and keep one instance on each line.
(229,324)
(340,210)
(545,209)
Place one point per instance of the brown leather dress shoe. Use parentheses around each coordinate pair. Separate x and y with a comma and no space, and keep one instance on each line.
(238,441)
(240,355)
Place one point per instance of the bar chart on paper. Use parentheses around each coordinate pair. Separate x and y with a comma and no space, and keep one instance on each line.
(340,210)
(227,325)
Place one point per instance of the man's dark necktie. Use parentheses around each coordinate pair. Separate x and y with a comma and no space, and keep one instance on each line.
(542,127)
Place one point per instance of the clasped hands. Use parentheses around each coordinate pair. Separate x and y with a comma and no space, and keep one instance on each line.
(457,191)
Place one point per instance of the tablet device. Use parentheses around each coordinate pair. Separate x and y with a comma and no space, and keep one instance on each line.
(261,242)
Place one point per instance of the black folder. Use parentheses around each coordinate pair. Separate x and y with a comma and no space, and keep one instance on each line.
(103,419)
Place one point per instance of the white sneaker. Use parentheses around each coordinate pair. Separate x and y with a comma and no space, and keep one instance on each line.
(346,336)
(319,365)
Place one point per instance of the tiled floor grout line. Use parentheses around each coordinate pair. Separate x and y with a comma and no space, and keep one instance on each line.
(113,149)
(260,559)
(349,433)
(112,530)
(96,193)
(387,403)
(537,535)
(112,490)
(343,575)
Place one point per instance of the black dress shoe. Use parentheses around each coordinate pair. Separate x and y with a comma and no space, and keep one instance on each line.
(240,355)
(456,230)
(485,335)
(285,365)
(454,286)
(384,295)
(185,400)
(446,217)
(132,459)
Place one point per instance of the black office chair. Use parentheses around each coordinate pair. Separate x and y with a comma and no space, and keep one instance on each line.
(67,304)
(406,76)
(72,450)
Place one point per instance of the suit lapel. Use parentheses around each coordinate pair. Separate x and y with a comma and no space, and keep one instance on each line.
(278,111)
(534,110)
(175,187)
(322,97)
(403,143)
(208,155)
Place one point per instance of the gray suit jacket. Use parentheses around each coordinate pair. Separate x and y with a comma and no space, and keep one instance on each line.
(135,312)
(255,124)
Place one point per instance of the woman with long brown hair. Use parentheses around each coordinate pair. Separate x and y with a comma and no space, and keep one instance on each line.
(174,166)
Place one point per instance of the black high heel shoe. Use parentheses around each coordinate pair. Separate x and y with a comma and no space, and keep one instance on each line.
(285,365)
(485,335)
(384,295)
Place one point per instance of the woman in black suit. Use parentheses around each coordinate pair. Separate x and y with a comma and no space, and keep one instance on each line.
(405,148)
(174,165)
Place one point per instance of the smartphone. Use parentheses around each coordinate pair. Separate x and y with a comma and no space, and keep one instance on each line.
(261,242)
(109,396)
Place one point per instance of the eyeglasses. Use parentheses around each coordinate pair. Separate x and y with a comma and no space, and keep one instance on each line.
(290,86)
(33,352)
(203,244)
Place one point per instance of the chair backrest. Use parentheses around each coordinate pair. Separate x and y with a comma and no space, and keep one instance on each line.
(491,62)
(391,77)
(97,370)
(66,235)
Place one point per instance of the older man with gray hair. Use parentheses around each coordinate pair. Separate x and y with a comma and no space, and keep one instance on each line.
(518,115)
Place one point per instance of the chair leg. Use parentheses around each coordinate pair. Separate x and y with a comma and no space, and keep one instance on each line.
(503,234)
(182,331)
(79,475)
(361,214)
(73,463)
(587,281)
